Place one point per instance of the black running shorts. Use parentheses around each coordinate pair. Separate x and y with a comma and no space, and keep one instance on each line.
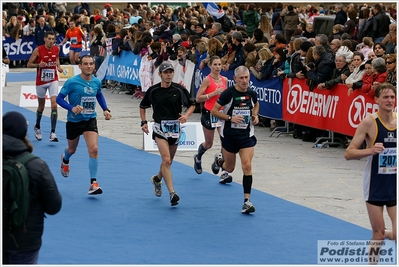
(234,145)
(390,203)
(75,129)
(206,120)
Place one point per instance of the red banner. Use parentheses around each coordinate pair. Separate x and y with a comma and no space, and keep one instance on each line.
(330,110)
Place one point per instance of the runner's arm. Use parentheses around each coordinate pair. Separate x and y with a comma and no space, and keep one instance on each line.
(32,59)
(62,102)
(353,151)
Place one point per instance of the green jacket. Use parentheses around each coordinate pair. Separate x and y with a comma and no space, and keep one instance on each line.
(251,21)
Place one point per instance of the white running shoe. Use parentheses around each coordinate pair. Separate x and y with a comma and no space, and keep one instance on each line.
(225,178)
(53,137)
(247,207)
(38,133)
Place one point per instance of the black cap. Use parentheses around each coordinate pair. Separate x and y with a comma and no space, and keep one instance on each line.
(165,66)
(15,125)
(305,46)
(200,25)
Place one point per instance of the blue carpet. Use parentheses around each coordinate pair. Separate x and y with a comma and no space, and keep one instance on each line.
(21,76)
(129,225)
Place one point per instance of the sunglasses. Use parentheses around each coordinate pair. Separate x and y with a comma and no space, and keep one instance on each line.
(389,62)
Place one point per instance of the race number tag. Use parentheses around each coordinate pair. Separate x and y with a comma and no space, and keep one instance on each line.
(74,40)
(215,122)
(245,122)
(171,128)
(387,161)
(47,75)
(89,104)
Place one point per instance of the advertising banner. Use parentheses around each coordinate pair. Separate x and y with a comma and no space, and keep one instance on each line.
(330,110)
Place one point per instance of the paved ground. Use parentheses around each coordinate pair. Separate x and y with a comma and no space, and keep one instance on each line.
(318,178)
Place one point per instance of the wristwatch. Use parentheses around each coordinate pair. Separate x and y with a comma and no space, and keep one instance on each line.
(143,122)
(229,118)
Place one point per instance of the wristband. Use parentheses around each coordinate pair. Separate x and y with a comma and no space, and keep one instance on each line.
(107,110)
(143,122)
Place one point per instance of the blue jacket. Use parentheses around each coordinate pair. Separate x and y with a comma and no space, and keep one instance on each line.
(39,33)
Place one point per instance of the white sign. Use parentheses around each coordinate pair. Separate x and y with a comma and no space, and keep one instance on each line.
(183,74)
(192,136)
(28,97)
(4,69)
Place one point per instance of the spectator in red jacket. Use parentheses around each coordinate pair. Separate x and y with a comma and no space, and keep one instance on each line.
(379,75)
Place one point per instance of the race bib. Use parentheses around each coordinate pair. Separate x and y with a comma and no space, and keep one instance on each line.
(89,104)
(245,122)
(171,128)
(215,122)
(74,40)
(387,161)
(47,75)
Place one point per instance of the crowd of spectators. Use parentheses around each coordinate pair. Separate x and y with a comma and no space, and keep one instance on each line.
(276,42)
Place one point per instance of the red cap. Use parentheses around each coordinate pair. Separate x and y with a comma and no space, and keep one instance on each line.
(97,17)
(107,5)
(185,44)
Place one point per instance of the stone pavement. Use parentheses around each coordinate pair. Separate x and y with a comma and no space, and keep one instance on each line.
(318,178)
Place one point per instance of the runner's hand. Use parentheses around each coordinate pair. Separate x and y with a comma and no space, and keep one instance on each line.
(107,115)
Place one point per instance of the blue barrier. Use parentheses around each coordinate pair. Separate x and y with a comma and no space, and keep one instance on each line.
(124,68)
(270,92)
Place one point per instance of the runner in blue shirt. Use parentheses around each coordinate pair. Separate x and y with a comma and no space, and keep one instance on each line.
(83,91)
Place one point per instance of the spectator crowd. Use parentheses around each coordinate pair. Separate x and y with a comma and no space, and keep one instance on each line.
(277,41)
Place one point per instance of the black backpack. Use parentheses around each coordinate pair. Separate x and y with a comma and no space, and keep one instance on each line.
(227,24)
(16,195)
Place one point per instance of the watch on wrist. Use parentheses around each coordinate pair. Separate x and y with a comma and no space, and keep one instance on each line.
(143,122)
(229,118)
(107,110)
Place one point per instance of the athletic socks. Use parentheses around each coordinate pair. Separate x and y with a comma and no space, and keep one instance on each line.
(38,119)
(201,151)
(54,116)
(93,166)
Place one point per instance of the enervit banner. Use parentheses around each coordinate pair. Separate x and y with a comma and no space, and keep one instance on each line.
(330,110)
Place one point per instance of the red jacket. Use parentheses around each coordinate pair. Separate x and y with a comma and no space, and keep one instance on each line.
(368,81)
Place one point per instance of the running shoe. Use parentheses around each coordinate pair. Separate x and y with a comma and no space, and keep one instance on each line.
(215,164)
(53,137)
(157,186)
(38,133)
(174,199)
(225,178)
(95,189)
(197,165)
(247,207)
(64,167)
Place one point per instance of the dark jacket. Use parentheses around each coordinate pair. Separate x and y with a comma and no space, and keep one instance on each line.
(380,25)
(324,66)
(44,198)
(239,59)
(340,17)
(295,64)
(39,33)
(276,20)
(267,69)
(336,76)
